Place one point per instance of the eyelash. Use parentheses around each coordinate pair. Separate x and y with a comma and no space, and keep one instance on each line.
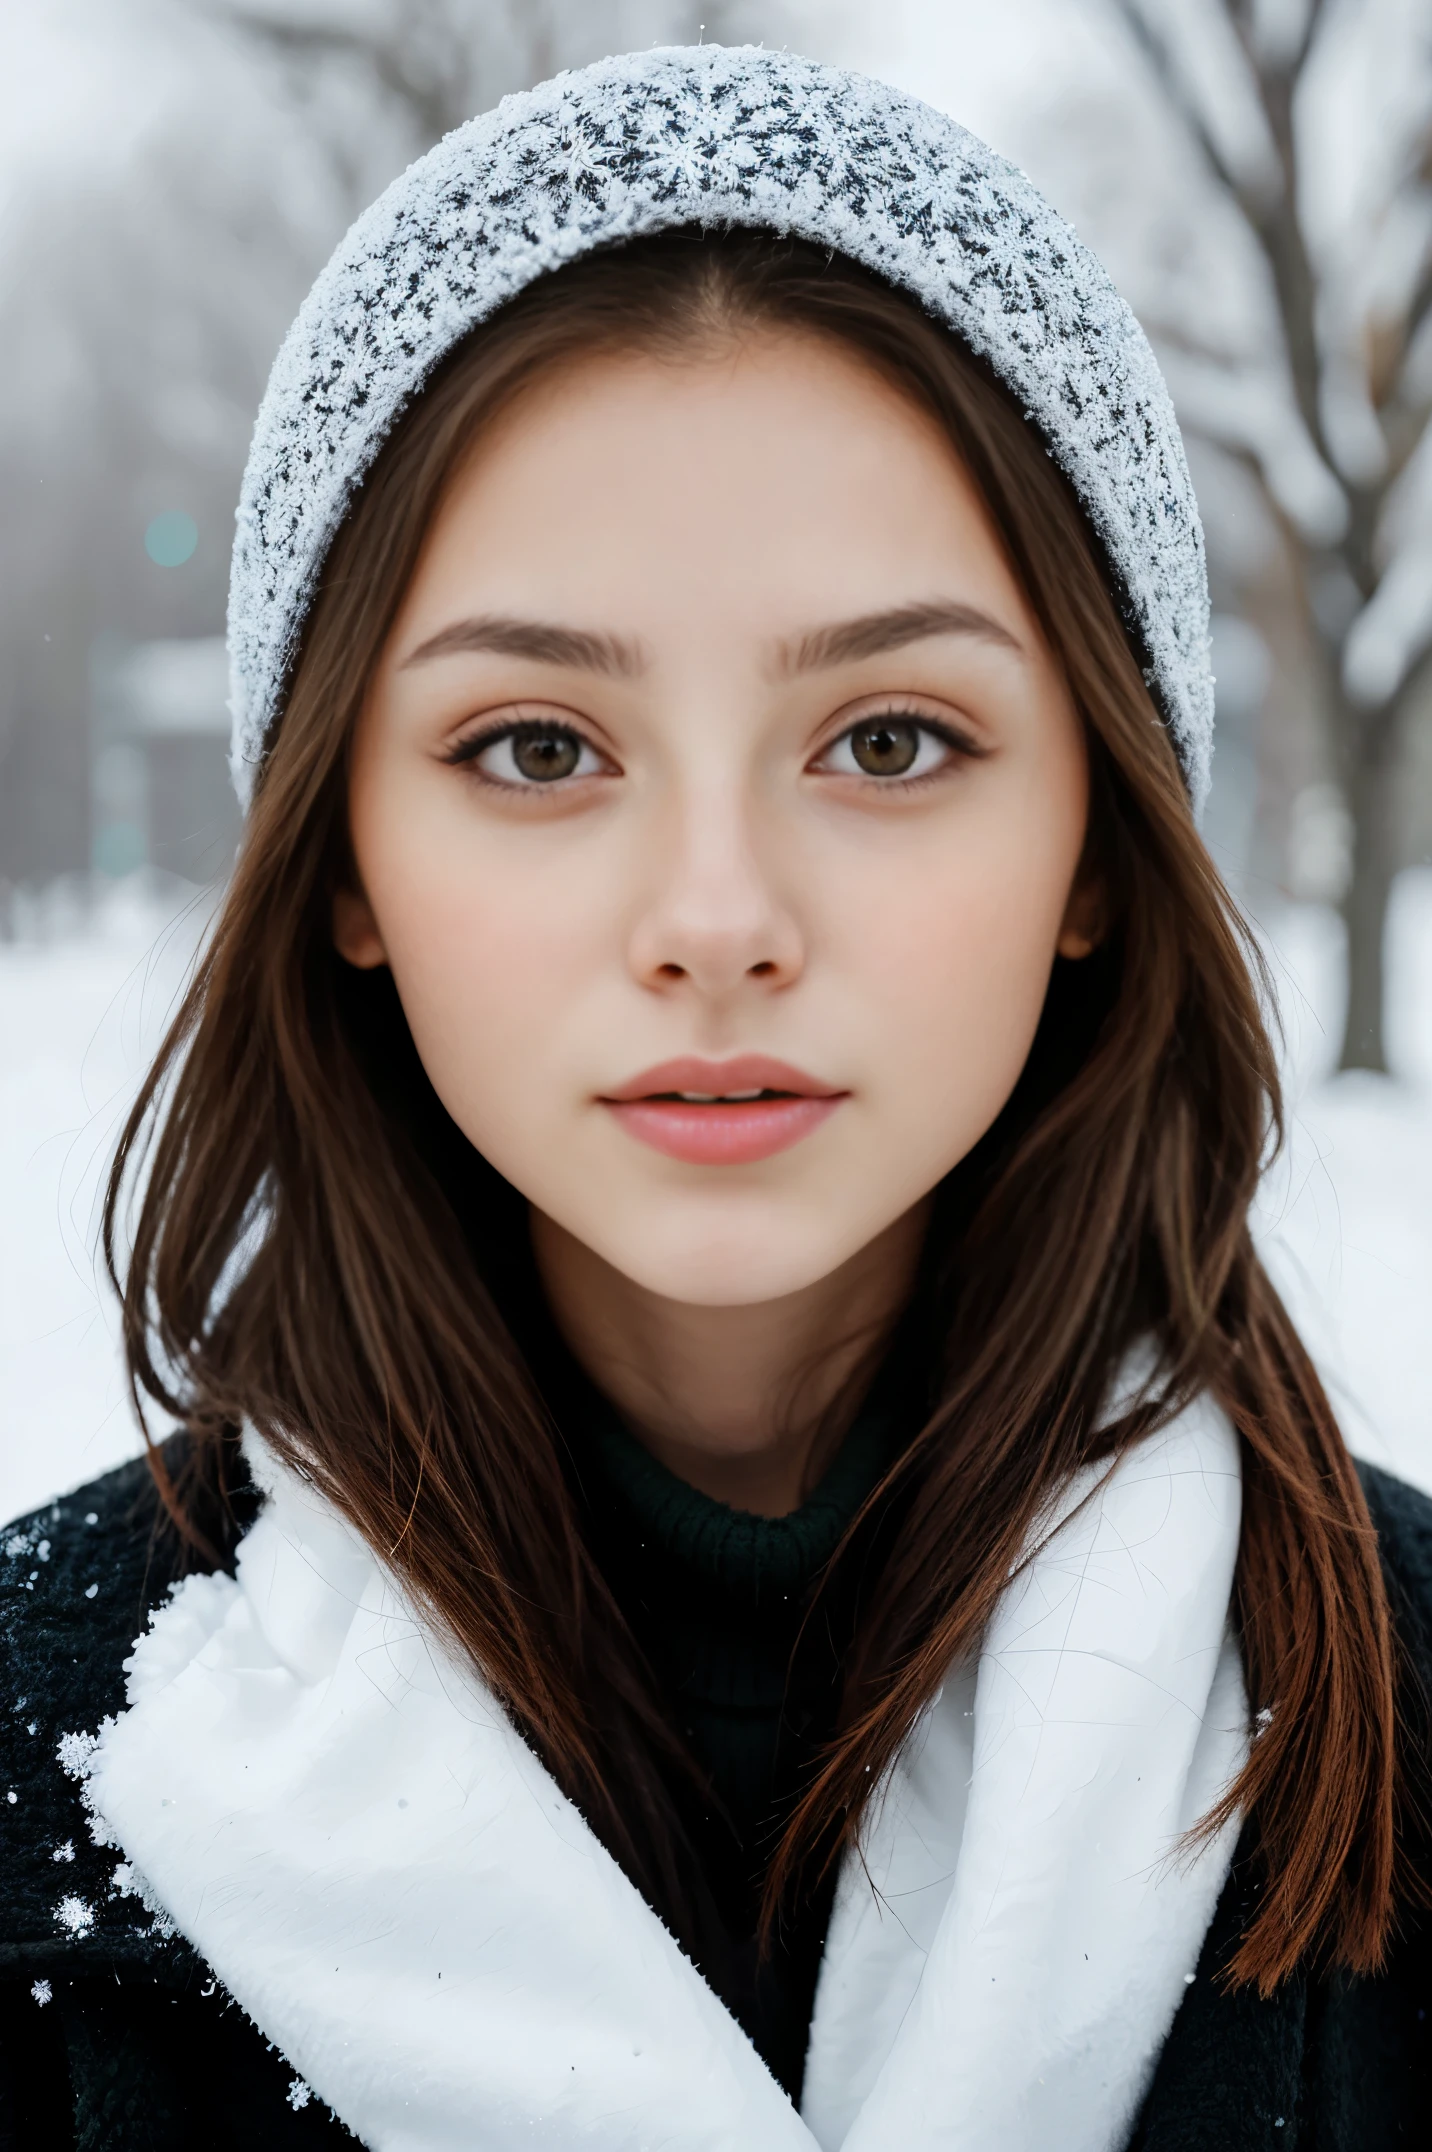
(466,752)
(960,746)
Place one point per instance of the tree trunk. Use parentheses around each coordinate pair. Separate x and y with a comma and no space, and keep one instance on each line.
(1370,771)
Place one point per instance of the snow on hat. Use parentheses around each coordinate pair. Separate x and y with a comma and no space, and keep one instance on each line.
(716,136)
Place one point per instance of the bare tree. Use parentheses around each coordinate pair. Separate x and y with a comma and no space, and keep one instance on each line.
(1238,78)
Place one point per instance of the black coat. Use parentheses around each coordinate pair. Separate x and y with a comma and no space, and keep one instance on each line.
(135,2049)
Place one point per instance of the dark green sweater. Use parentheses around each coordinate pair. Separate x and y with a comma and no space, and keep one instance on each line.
(719,1595)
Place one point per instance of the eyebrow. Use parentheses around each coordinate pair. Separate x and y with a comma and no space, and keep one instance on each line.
(541,640)
(840,643)
(873,634)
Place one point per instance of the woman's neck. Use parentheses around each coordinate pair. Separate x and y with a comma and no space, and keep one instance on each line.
(746,1403)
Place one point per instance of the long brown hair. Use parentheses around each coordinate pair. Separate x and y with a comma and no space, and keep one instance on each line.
(317,1251)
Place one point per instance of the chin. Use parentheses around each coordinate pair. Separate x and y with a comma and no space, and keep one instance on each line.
(715,1267)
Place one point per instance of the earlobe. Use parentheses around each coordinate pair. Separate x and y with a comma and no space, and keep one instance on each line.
(355,931)
(1086,920)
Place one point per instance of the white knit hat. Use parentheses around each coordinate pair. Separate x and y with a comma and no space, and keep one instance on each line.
(716,136)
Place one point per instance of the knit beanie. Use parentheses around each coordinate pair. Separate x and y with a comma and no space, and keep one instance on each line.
(718,137)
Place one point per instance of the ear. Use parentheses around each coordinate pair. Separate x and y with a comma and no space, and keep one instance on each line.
(1086,917)
(355,931)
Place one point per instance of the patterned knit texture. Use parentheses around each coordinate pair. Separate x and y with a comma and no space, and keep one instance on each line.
(718,137)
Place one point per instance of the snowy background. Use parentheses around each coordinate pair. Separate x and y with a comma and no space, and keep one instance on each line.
(168,185)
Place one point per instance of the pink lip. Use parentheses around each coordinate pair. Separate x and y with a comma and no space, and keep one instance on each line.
(738,1133)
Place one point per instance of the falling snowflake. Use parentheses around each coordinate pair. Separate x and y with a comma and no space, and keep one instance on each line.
(299,2094)
(42,1992)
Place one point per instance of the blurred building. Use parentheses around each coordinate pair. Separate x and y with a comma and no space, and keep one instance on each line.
(159,781)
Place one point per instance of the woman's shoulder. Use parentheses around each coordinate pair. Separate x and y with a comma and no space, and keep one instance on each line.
(78,1580)
(112,2030)
(1348,2053)
(1402,1517)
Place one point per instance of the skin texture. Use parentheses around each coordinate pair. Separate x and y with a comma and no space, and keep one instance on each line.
(719,876)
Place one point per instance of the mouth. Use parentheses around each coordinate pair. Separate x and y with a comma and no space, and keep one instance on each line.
(723,1112)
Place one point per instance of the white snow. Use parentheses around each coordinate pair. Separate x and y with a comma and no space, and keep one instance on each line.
(74,1751)
(75,1915)
(1346,1219)
(82,1006)
(1346,1216)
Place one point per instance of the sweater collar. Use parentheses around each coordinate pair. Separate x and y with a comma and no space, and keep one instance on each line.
(734,1556)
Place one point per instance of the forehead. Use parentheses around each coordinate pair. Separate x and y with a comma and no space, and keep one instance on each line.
(777,471)
(767,385)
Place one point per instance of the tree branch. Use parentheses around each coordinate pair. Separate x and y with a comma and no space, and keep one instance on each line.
(1312,25)
(1159,58)
(1419,303)
(1242,16)
(432,96)
(1270,215)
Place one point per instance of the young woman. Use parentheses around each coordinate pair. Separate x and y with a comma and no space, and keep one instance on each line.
(750,1558)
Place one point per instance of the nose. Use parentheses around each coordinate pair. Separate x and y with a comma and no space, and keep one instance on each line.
(714,919)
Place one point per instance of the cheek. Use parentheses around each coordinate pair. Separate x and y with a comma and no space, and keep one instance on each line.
(955,952)
(490,956)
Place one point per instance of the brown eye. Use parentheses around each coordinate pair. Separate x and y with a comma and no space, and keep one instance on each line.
(885,746)
(545,756)
(527,756)
(898,749)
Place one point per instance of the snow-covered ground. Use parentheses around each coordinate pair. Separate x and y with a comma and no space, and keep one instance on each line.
(1346,1216)
(1346,1213)
(82,1007)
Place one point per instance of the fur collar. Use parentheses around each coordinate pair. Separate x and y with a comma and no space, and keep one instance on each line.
(339,1817)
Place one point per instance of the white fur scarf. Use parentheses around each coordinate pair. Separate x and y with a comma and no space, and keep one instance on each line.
(341,1820)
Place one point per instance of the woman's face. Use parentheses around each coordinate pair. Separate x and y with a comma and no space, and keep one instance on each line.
(715,756)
